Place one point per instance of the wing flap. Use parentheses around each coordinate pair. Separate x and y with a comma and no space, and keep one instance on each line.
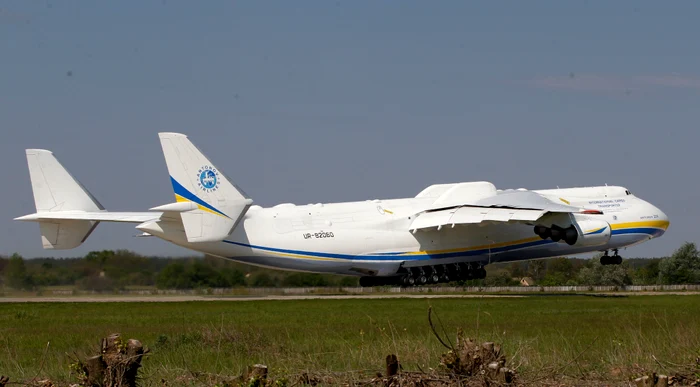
(465,215)
(431,220)
(527,215)
(499,214)
(473,215)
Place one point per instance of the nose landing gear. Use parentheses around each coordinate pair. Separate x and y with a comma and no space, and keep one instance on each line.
(606,259)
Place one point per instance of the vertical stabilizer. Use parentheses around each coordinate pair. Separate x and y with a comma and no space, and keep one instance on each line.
(56,190)
(220,204)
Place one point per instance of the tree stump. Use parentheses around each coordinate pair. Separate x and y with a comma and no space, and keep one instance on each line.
(256,375)
(471,359)
(652,380)
(392,365)
(118,364)
(94,368)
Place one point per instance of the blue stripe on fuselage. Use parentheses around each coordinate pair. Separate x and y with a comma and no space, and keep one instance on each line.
(185,193)
(409,257)
(395,256)
(651,231)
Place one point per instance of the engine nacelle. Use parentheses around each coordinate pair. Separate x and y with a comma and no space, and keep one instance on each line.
(592,232)
(586,232)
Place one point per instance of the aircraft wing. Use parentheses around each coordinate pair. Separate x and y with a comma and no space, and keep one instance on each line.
(508,206)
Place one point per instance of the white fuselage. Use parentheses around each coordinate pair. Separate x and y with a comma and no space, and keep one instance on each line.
(447,231)
(373,237)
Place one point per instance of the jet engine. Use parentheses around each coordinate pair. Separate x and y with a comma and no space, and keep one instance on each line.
(585,232)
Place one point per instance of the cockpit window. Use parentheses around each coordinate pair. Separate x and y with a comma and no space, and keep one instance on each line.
(628,192)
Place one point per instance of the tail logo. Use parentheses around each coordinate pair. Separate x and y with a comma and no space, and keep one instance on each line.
(208,178)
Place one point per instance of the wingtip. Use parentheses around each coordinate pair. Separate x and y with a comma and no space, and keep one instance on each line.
(29,217)
(171,134)
(37,151)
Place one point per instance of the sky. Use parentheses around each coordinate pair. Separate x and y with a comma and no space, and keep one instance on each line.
(329,101)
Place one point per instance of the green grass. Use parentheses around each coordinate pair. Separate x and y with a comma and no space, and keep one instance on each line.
(579,336)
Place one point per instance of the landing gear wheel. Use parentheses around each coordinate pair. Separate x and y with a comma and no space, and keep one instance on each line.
(605,260)
(422,280)
(616,260)
(410,281)
(434,278)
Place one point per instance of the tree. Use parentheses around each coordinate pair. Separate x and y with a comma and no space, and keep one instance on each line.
(562,266)
(596,274)
(99,257)
(263,280)
(516,270)
(535,269)
(560,271)
(500,279)
(683,267)
(173,276)
(16,275)
(647,274)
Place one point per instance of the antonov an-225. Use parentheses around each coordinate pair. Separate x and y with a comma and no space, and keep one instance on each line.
(447,232)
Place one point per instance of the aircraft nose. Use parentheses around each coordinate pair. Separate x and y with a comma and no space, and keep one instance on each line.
(660,222)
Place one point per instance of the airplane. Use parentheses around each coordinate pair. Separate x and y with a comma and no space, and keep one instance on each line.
(445,233)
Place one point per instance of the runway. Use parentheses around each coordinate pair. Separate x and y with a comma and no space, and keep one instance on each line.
(188,298)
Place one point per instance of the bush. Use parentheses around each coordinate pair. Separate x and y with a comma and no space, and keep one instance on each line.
(683,267)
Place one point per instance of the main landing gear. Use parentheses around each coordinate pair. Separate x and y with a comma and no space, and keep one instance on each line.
(429,275)
(614,259)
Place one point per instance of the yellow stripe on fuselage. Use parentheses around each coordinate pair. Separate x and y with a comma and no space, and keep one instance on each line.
(180,199)
(663,224)
(303,256)
(646,223)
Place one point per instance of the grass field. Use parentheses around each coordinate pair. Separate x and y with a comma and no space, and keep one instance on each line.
(582,337)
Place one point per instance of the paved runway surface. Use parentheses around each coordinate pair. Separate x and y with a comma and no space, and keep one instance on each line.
(189,298)
(236,298)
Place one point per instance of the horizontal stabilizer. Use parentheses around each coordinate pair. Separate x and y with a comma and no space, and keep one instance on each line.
(101,216)
(65,234)
(176,207)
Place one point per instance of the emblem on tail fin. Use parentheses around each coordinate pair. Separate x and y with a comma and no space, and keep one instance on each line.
(208,178)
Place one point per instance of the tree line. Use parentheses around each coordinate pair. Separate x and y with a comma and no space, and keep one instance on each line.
(110,270)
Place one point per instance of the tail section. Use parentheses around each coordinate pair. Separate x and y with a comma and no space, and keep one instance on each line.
(220,205)
(55,190)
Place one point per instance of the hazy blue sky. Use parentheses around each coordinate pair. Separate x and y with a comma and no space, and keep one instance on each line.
(336,101)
